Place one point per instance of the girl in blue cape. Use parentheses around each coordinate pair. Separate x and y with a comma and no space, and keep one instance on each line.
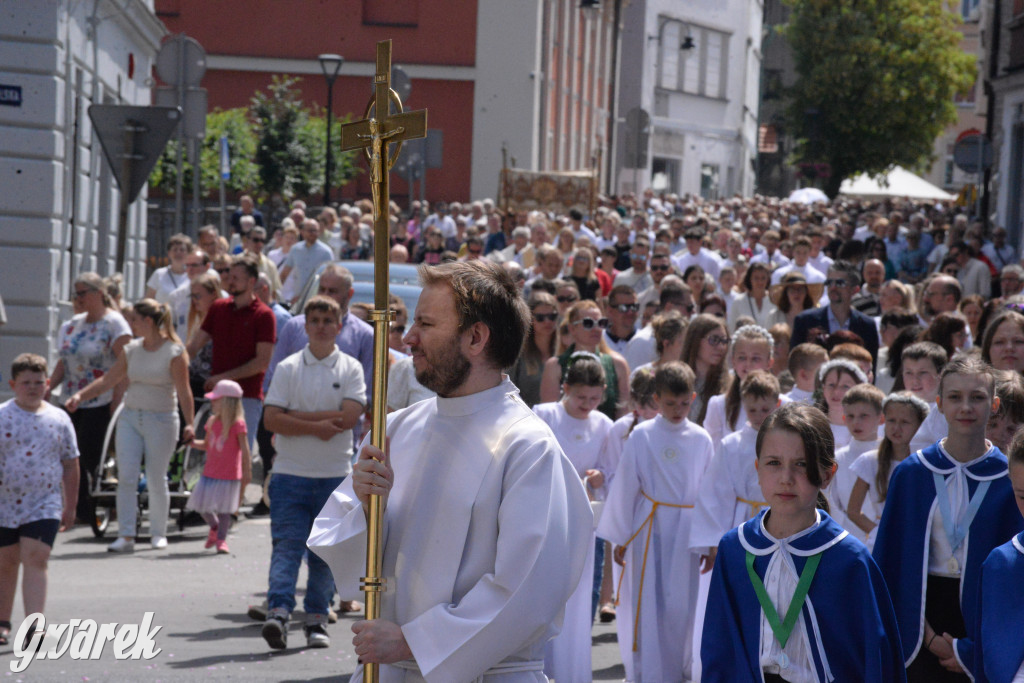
(948,506)
(793,596)
(999,647)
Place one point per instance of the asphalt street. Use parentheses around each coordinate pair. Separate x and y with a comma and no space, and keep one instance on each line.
(199,600)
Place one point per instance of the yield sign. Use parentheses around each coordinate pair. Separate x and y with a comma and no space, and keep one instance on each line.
(133,138)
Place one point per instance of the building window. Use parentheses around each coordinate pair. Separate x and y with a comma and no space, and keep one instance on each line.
(391,13)
(709,182)
(969,9)
(698,70)
(947,177)
(665,175)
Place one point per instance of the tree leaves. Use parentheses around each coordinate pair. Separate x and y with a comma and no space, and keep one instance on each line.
(876,81)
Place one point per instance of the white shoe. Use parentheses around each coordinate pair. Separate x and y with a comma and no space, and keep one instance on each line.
(158,542)
(122,545)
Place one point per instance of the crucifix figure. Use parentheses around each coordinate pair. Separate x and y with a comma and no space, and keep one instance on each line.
(374,135)
(377,162)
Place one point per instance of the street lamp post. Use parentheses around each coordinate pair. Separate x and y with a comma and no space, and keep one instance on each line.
(330,65)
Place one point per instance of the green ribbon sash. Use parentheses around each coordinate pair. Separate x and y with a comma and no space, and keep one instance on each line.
(783,629)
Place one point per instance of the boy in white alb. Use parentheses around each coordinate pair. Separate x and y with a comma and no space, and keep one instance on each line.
(648,515)
(804,361)
(730,493)
(921,365)
(862,414)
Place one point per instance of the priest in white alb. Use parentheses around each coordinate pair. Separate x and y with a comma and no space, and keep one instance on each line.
(486,523)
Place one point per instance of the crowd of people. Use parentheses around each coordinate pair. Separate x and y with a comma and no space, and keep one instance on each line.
(715,371)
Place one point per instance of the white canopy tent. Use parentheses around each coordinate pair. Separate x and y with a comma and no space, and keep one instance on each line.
(898,182)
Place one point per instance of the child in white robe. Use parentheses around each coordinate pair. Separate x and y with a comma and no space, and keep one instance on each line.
(804,361)
(581,431)
(730,493)
(862,415)
(921,365)
(641,396)
(903,413)
(648,516)
(835,378)
(752,349)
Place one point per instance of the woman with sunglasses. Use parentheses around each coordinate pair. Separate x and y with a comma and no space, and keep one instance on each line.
(539,347)
(88,345)
(585,326)
(704,349)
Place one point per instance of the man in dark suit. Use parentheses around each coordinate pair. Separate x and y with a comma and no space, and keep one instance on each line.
(843,283)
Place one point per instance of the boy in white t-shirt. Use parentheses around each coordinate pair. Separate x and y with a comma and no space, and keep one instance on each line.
(315,398)
(38,487)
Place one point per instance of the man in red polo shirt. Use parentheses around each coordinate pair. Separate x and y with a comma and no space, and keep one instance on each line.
(243,333)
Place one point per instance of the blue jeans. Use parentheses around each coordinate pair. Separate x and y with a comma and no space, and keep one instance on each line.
(294,504)
(252,408)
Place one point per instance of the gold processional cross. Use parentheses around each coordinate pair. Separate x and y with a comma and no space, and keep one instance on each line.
(374,135)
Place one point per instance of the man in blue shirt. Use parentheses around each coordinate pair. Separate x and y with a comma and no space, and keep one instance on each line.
(304,257)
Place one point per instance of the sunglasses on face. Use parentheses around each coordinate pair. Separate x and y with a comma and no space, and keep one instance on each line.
(835,283)
(566,299)
(257,240)
(590,323)
(627,308)
(659,269)
(79,293)
(400,329)
(545,317)
(716,340)
(223,271)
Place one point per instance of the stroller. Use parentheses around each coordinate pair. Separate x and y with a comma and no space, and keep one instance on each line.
(182,475)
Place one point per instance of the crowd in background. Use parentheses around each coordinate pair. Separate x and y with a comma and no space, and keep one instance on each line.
(729,287)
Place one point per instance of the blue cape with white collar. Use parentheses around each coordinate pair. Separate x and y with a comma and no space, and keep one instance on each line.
(999,647)
(848,615)
(904,533)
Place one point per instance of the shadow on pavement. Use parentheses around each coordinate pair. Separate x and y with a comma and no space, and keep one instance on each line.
(237,658)
(612,673)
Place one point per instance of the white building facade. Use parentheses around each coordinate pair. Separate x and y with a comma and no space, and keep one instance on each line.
(59,207)
(694,67)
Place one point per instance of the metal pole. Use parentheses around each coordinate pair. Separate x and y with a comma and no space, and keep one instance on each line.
(223,212)
(981,176)
(130,128)
(327,164)
(196,186)
(179,206)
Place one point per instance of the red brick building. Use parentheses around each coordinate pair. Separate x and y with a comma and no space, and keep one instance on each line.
(530,74)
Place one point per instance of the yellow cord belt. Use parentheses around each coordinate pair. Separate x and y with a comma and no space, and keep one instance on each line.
(649,523)
(752,503)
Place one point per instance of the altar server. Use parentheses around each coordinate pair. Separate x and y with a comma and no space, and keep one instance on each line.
(486,523)
(648,516)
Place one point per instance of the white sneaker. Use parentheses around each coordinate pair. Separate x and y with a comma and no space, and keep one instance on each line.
(122,545)
(158,542)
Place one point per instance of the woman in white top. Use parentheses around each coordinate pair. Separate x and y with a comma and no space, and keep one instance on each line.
(754,302)
(165,280)
(156,366)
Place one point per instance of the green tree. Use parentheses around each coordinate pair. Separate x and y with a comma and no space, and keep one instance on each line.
(875,82)
(291,143)
(241,144)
